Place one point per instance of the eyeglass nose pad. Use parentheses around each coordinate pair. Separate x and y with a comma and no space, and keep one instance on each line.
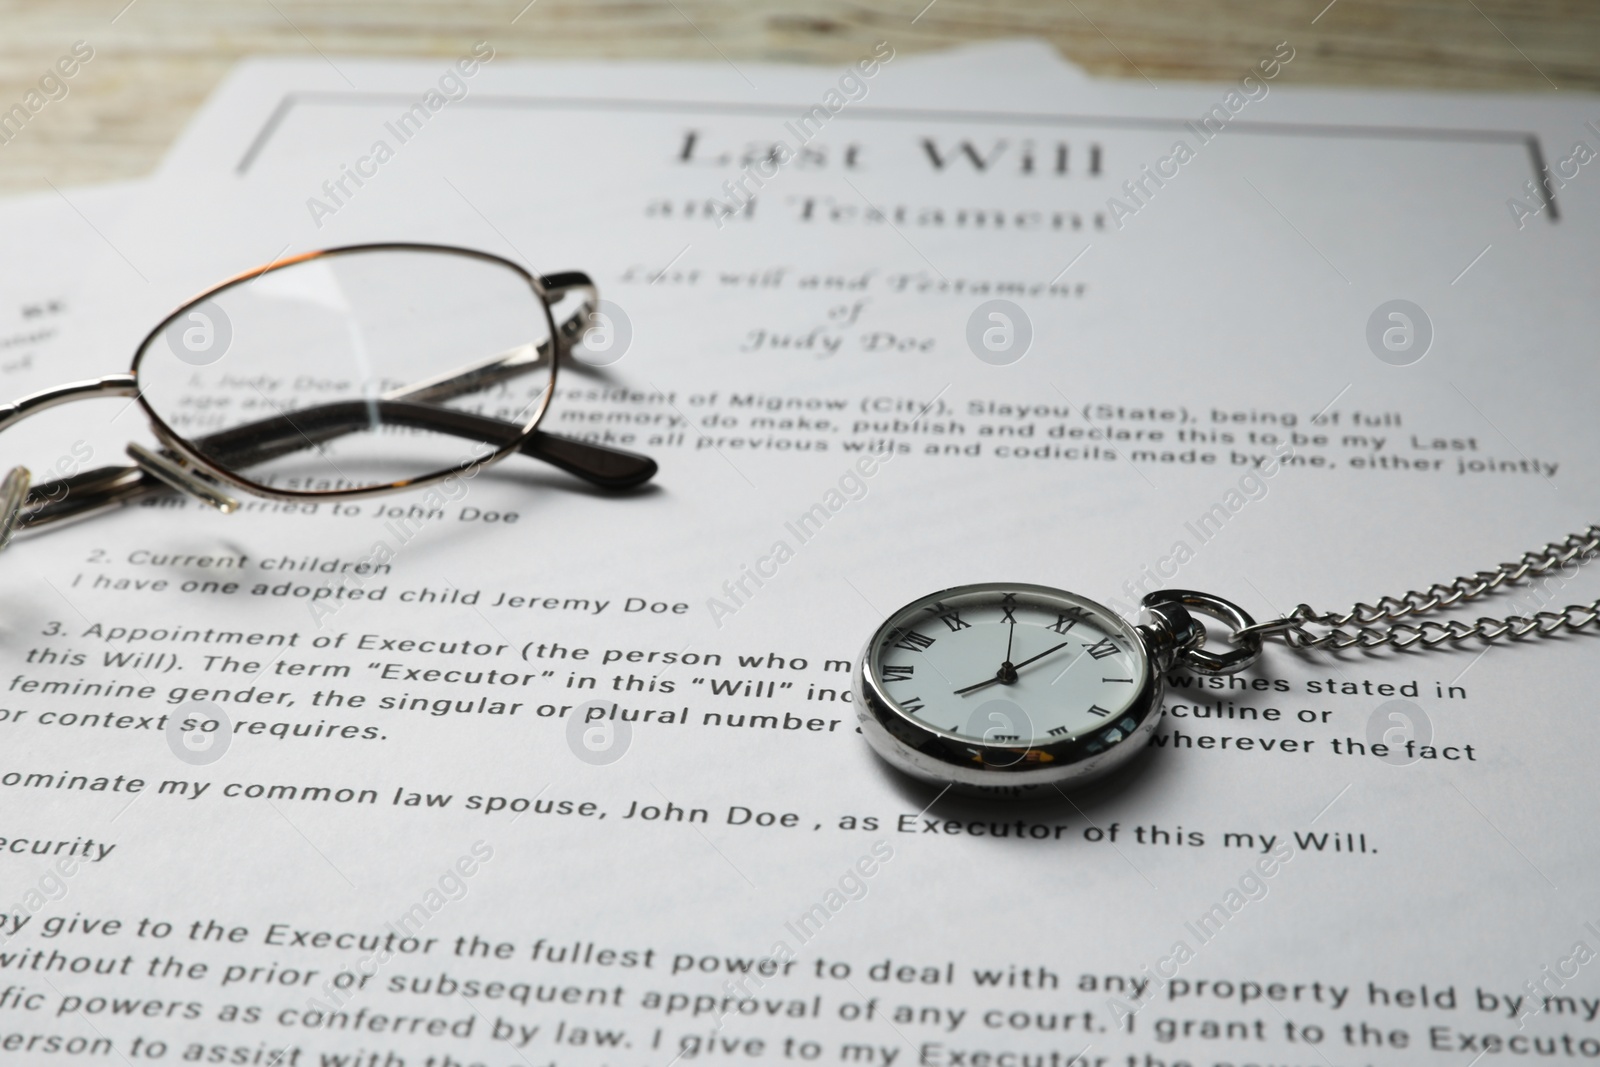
(13,495)
(182,479)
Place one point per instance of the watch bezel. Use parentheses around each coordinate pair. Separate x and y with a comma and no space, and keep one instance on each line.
(945,757)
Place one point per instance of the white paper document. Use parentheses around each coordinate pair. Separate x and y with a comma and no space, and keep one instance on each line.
(541,774)
(50,237)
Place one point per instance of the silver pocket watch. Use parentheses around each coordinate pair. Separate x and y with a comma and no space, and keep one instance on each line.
(1013,689)
(1006,689)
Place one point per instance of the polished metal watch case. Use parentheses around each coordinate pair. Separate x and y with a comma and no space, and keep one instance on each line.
(1011,771)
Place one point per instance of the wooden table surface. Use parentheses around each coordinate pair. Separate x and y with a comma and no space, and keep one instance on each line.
(156,60)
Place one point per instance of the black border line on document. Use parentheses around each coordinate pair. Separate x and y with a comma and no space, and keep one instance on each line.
(1529,141)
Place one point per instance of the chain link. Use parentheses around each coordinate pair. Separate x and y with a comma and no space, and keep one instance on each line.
(1308,628)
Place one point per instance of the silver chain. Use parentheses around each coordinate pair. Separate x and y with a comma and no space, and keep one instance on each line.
(1308,628)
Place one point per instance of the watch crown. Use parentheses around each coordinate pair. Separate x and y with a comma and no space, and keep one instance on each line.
(1170,632)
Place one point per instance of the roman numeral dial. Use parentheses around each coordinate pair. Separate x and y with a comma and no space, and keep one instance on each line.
(1068,618)
(1013,666)
(1005,688)
(1102,648)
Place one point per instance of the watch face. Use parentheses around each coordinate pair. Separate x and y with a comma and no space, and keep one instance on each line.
(1017,666)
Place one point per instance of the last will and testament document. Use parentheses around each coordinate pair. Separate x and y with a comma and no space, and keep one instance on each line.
(574,779)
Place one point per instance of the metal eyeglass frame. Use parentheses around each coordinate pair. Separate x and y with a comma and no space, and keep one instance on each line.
(204,469)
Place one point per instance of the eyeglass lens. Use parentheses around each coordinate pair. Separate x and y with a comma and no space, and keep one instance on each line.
(354,370)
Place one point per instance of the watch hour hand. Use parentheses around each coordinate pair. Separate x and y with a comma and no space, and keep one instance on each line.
(980,685)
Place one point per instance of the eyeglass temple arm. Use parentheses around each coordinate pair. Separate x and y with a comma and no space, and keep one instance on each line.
(281,435)
(258,442)
(104,487)
(514,361)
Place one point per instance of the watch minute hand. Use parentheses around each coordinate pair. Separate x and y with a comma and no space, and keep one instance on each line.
(1014,666)
(1041,655)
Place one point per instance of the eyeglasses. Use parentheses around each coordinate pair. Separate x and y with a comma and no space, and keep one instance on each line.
(343,373)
